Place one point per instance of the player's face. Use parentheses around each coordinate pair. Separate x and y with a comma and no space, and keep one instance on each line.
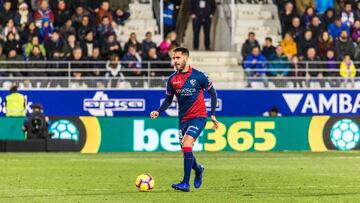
(180,60)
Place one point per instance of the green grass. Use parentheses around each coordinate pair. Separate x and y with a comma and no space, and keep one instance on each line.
(228,177)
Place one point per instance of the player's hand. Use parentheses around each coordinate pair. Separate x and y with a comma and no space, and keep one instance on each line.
(215,122)
(154,114)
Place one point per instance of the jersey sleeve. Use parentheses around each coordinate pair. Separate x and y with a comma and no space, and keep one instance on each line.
(205,82)
(169,88)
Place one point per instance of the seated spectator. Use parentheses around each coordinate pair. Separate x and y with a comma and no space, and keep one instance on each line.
(76,58)
(114,74)
(248,45)
(147,44)
(279,67)
(344,46)
(12,43)
(324,44)
(34,42)
(84,27)
(297,72)
(337,27)
(355,34)
(30,31)
(97,66)
(296,29)
(165,45)
(36,56)
(316,27)
(10,27)
(88,43)
(306,42)
(132,42)
(157,76)
(6,13)
(301,5)
(77,17)
(43,13)
(313,67)
(104,10)
(328,17)
(286,17)
(121,16)
(288,45)
(132,61)
(347,16)
(62,14)
(308,15)
(67,29)
(23,16)
(55,43)
(13,56)
(331,68)
(104,28)
(46,31)
(70,45)
(347,70)
(111,46)
(255,63)
(268,48)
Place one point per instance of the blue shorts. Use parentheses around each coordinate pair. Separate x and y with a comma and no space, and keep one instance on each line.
(192,127)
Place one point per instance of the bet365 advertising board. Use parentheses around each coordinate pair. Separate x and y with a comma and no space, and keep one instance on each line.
(129,134)
(134,103)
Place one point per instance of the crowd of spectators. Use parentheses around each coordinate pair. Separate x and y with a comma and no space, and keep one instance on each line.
(319,32)
(77,31)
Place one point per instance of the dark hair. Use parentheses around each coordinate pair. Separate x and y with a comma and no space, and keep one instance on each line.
(13,89)
(183,50)
(268,39)
(274,109)
(251,33)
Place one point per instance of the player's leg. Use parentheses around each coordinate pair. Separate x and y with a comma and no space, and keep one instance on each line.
(200,125)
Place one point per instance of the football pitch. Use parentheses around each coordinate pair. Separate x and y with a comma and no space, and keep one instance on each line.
(228,177)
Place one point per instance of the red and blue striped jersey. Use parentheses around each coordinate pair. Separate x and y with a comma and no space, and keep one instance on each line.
(189,90)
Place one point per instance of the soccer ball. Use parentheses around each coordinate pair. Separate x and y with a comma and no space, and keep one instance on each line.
(145,182)
(64,129)
(345,134)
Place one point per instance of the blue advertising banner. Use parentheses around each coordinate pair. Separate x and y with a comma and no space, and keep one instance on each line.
(230,102)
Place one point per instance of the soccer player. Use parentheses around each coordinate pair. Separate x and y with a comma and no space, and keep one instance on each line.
(188,85)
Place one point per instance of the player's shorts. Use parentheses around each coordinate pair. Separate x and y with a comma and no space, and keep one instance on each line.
(192,127)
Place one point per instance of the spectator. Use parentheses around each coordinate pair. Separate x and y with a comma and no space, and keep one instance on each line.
(104,10)
(62,14)
(324,44)
(302,5)
(13,56)
(314,67)
(123,4)
(165,45)
(132,60)
(77,58)
(344,46)
(23,16)
(6,13)
(307,17)
(104,28)
(89,43)
(46,31)
(114,73)
(12,43)
(288,45)
(10,27)
(328,17)
(323,5)
(57,56)
(43,13)
(132,42)
(249,44)
(36,56)
(287,16)
(316,27)
(55,44)
(80,12)
(168,19)
(67,29)
(111,46)
(157,76)
(337,27)
(347,70)
(202,12)
(84,27)
(268,48)
(255,64)
(347,16)
(97,66)
(70,45)
(296,30)
(331,69)
(121,16)
(356,32)
(357,11)
(34,42)
(308,41)
(297,72)
(30,31)
(147,44)
(279,67)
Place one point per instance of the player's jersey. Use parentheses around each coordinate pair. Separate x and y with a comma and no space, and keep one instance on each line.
(189,90)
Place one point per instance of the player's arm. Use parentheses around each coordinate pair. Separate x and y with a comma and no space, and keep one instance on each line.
(207,84)
(166,103)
